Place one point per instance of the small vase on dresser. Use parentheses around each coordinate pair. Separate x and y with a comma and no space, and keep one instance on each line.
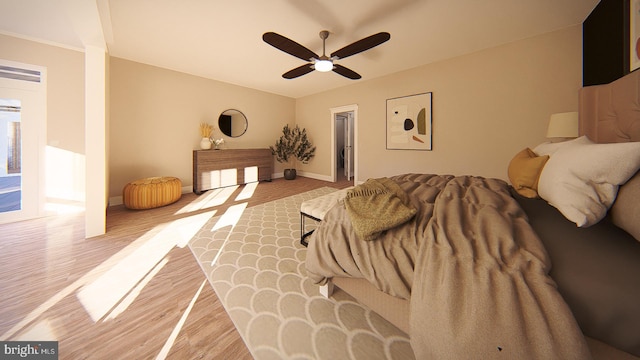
(205,143)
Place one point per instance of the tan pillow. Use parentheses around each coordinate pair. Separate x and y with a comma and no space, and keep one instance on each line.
(625,211)
(524,172)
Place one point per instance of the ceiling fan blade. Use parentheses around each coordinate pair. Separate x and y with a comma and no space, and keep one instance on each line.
(346,72)
(289,46)
(362,45)
(299,71)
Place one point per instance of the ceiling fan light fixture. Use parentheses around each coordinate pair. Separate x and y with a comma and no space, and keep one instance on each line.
(323,65)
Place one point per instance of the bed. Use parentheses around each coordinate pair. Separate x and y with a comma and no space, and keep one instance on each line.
(545,266)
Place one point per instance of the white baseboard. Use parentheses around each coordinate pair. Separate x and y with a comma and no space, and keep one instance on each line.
(305,174)
(115,200)
(315,176)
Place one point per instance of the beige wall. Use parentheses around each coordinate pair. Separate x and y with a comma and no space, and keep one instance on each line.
(65,88)
(155,115)
(486,107)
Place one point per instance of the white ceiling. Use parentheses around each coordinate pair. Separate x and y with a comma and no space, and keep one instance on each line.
(222,39)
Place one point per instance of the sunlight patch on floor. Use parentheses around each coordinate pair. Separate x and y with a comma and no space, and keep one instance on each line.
(186,228)
(229,218)
(101,295)
(109,282)
(209,199)
(42,331)
(248,191)
(112,286)
(62,207)
(131,297)
(176,330)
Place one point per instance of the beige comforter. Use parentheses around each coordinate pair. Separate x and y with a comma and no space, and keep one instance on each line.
(475,272)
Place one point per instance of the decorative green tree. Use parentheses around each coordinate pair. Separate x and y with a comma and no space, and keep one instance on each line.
(293,144)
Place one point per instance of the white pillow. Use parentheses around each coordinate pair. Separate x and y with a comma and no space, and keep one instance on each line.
(581,178)
(549,148)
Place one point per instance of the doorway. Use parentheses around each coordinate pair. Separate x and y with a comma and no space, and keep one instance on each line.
(344,143)
(344,146)
(22,141)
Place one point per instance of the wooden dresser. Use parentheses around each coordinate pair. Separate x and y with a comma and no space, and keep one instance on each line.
(218,168)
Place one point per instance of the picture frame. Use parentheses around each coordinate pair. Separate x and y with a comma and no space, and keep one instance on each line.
(409,122)
(634,35)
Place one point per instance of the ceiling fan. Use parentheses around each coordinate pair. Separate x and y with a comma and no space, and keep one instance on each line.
(323,63)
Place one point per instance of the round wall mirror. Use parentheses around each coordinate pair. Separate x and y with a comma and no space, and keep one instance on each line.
(232,123)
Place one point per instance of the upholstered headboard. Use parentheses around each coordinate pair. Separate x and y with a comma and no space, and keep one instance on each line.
(608,114)
(611,113)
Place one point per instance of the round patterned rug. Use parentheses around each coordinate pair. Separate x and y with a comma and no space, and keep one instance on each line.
(255,263)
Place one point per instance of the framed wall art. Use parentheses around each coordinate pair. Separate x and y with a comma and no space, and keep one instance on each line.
(409,122)
(634,34)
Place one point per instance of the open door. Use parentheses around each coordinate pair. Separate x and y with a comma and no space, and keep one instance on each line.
(348,146)
(344,143)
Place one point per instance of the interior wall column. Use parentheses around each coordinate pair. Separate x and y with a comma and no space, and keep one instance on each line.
(95,141)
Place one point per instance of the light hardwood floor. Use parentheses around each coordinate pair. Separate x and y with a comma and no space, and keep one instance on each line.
(49,274)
